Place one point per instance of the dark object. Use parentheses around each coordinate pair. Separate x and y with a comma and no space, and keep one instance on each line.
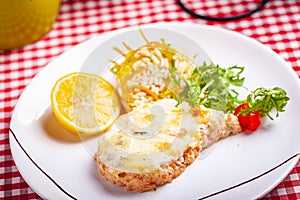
(221,19)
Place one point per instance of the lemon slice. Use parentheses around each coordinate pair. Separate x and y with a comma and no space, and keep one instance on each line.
(84,103)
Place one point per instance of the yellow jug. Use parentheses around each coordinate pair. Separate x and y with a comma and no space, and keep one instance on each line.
(25,21)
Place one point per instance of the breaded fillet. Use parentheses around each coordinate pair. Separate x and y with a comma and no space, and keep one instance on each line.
(154,143)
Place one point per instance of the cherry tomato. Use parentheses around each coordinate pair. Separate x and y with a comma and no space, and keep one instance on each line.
(243,106)
(250,122)
(253,120)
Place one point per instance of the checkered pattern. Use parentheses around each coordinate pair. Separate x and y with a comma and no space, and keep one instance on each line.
(277,26)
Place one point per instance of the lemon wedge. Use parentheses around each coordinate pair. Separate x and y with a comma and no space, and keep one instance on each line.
(84,103)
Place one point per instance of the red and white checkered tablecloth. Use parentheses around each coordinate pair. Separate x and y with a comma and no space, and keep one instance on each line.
(277,25)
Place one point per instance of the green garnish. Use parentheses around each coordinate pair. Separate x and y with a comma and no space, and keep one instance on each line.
(265,100)
(214,87)
(209,85)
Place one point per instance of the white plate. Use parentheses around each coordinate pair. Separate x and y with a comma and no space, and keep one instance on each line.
(57,165)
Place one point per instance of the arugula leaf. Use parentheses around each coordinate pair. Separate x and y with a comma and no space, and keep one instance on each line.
(265,100)
(209,85)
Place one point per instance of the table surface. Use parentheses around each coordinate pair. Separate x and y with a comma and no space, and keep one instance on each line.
(277,26)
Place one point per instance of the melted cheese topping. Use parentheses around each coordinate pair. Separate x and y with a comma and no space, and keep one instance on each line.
(151,136)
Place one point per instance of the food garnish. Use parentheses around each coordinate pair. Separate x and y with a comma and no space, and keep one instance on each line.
(213,87)
(158,53)
(84,103)
(264,100)
(210,85)
(261,102)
